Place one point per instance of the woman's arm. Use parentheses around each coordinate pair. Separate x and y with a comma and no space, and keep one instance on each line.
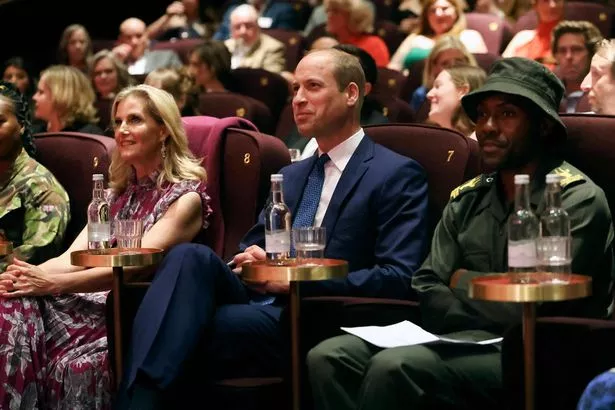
(180,223)
(397,60)
(473,41)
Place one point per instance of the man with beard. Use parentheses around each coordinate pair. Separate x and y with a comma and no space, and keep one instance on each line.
(574,44)
(518,131)
(597,81)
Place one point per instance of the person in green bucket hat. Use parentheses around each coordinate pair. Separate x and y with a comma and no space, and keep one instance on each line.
(518,131)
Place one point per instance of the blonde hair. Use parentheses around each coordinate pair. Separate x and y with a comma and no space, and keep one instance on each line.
(72,94)
(425,29)
(447,42)
(472,78)
(360,12)
(175,81)
(179,163)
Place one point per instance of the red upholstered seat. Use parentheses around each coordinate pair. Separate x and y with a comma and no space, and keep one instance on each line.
(181,47)
(73,157)
(294,44)
(222,105)
(390,82)
(269,88)
(495,30)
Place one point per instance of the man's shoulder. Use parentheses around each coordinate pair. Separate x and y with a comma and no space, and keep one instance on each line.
(389,158)
(575,181)
(269,42)
(473,186)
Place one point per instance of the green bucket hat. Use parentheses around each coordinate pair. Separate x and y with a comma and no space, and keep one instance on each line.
(524,78)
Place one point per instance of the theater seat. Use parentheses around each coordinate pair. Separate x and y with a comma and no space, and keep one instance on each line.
(569,351)
(181,47)
(294,44)
(495,30)
(390,82)
(269,88)
(73,157)
(222,105)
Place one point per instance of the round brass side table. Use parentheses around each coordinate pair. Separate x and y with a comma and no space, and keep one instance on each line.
(118,259)
(538,287)
(293,272)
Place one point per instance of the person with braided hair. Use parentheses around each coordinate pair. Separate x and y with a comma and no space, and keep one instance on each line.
(34,207)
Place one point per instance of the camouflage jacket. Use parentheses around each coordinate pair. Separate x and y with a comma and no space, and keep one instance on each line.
(34,211)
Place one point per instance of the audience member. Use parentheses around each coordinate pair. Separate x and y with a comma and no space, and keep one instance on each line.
(17,71)
(181,20)
(153,177)
(251,48)
(352,22)
(109,75)
(270,14)
(448,51)
(445,97)
(210,66)
(536,44)
(439,17)
(518,132)
(371,110)
(65,101)
(373,207)
(178,83)
(597,80)
(323,43)
(75,48)
(406,15)
(133,49)
(574,44)
(35,208)
(489,7)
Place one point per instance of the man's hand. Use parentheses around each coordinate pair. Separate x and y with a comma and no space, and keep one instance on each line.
(122,51)
(456,276)
(23,279)
(256,253)
(175,9)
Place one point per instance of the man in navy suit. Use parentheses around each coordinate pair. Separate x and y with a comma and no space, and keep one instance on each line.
(272,14)
(373,205)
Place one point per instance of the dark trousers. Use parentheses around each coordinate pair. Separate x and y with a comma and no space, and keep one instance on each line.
(197,315)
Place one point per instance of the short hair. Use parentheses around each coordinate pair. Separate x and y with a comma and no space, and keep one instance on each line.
(606,49)
(132,20)
(447,42)
(179,163)
(425,29)
(174,80)
(361,14)
(590,33)
(347,69)
(244,8)
(72,94)
(217,57)
(65,39)
(19,104)
(124,79)
(368,64)
(465,76)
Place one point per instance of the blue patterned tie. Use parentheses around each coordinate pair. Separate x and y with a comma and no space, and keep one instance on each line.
(306,211)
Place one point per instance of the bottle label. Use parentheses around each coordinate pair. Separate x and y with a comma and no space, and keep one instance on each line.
(277,241)
(522,254)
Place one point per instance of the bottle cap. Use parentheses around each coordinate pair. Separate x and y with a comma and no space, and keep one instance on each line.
(98,177)
(277,177)
(553,178)
(522,179)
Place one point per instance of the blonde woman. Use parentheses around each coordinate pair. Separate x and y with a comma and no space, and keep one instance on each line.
(352,22)
(61,356)
(439,17)
(64,100)
(445,97)
(75,48)
(179,84)
(447,52)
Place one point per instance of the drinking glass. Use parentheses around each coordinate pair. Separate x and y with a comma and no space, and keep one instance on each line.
(295,154)
(309,243)
(128,233)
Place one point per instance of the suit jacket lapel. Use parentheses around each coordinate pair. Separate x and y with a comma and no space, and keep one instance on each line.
(356,167)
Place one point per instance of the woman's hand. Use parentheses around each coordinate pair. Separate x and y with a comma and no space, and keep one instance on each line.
(23,279)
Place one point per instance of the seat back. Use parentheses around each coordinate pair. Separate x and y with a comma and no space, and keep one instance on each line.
(590,147)
(390,33)
(445,155)
(73,157)
(495,30)
(598,14)
(269,88)
(395,109)
(286,123)
(222,105)
(104,106)
(238,160)
(294,44)
(390,82)
(181,47)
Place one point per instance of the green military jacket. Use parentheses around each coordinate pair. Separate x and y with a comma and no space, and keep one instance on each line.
(472,235)
(34,211)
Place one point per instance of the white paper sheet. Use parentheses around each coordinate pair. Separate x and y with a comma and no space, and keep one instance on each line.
(405,334)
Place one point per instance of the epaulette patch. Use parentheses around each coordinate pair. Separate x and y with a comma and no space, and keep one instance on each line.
(567,176)
(469,185)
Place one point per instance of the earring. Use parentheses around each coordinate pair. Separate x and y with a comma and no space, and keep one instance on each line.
(163,151)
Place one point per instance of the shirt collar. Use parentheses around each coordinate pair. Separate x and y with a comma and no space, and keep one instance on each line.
(341,153)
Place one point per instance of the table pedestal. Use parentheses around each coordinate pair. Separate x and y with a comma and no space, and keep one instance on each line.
(529,329)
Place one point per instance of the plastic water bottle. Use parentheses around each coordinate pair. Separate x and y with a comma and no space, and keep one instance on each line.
(99,227)
(523,228)
(277,224)
(554,241)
